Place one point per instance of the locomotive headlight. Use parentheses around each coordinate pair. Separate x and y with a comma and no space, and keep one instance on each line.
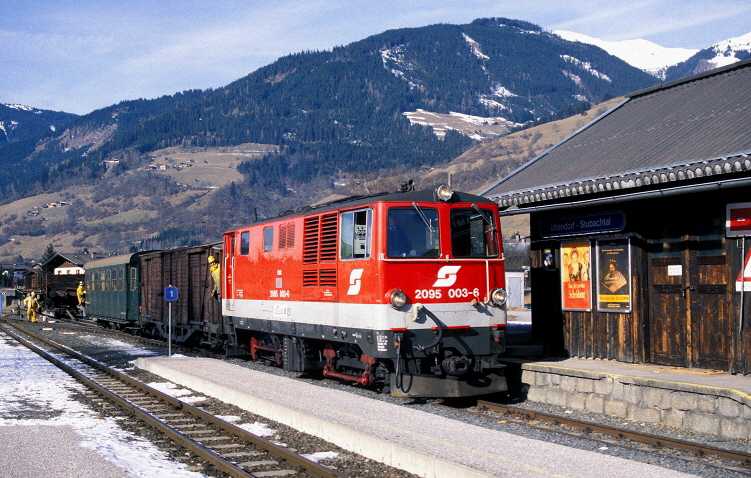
(444,192)
(397,298)
(498,297)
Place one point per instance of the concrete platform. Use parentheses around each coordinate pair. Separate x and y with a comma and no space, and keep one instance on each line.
(702,401)
(418,442)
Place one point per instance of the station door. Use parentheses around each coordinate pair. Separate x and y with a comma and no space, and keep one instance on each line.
(690,323)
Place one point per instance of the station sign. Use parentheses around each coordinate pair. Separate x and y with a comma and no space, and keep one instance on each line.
(612,221)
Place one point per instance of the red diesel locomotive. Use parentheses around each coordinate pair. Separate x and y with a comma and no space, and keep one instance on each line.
(404,292)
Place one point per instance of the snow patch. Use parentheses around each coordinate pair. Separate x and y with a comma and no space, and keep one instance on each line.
(322,455)
(29,384)
(586,66)
(475,47)
(20,107)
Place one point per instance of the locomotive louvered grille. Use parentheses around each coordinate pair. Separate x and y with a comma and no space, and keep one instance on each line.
(327,277)
(282,236)
(321,236)
(287,236)
(329,234)
(291,234)
(310,278)
(310,251)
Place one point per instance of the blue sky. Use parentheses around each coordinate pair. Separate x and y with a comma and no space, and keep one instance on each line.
(78,56)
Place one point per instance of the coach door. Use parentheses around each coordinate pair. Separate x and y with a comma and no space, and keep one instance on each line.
(690,323)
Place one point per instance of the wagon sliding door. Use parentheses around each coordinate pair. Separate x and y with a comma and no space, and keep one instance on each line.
(690,322)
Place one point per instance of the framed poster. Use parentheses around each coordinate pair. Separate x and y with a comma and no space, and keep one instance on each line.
(614,275)
(576,293)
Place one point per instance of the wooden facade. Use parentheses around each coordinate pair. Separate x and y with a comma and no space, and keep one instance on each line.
(685,310)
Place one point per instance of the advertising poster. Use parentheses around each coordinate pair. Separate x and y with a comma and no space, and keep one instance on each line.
(614,276)
(575,276)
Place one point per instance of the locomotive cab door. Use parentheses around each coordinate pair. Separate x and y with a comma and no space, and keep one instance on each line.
(228,274)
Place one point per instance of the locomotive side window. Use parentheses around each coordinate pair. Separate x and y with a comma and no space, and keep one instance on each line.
(268,239)
(413,232)
(473,233)
(355,234)
(245,243)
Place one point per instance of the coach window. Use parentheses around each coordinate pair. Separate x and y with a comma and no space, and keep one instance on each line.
(121,280)
(413,232)
(133,279)
(245,243)
(473,233)
(268,239)
(356,234)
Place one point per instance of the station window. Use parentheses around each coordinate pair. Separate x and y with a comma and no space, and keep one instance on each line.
(268,239)
(245,243)
(473,233)
(413,232)
(356,234)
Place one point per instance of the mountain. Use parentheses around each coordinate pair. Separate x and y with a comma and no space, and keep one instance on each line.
(306,126)
(643,54)
(669,64)
(720,54)
(19,122)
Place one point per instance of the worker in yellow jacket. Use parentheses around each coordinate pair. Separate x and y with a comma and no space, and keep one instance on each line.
(32,305)
(216,275)
(81,294)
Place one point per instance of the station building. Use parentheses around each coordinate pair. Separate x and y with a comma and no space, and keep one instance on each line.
(641,228)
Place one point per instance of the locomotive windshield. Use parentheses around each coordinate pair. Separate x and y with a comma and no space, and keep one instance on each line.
(473,233)
(413,232)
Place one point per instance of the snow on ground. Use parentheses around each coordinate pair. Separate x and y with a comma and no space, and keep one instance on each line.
(117,345)
(34,392)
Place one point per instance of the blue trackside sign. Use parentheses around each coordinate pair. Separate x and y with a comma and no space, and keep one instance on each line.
(170,294)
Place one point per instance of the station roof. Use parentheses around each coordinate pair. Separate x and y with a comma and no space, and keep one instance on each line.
(680,135)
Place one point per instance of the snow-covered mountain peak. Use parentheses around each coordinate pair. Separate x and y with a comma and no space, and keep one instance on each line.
(642,54)
(726,50)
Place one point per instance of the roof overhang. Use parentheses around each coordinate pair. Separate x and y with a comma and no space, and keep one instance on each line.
(688,176)
(622,196)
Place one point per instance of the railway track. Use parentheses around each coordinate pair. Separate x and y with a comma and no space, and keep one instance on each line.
(733,461)
(230,450)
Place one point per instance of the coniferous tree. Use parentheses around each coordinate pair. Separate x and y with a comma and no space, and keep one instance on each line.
(49,252)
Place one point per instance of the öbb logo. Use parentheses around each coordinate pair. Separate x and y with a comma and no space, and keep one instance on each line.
(354,281)
(447,276)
